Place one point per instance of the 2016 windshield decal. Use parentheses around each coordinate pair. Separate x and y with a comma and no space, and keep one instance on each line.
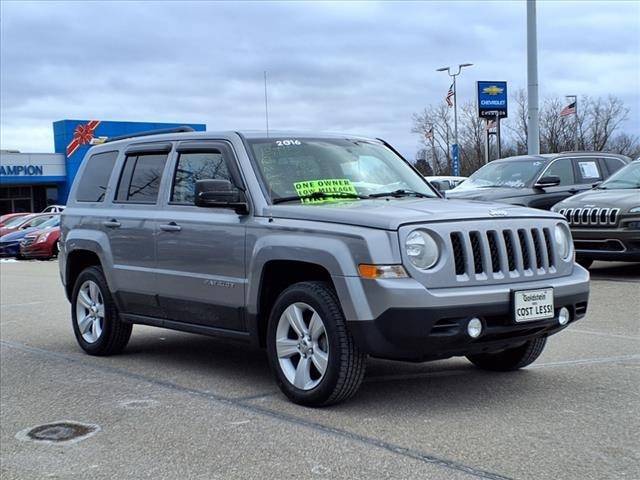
(288,143)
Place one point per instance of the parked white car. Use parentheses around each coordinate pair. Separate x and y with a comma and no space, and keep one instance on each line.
(444,183)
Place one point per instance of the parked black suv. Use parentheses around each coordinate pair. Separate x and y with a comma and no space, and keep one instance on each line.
(539,181)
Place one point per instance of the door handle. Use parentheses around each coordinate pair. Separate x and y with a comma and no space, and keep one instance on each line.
(170,227)
(113,223)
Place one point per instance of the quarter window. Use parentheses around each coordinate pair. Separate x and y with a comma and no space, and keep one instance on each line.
(563,169)
(140,178)
(197,166)
(613,164)
(92,186)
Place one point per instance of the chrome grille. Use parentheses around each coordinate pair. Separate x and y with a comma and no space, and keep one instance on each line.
(502,253)
(27,241)
(591,217)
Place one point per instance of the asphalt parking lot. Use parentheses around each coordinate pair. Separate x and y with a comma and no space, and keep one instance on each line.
(175,405)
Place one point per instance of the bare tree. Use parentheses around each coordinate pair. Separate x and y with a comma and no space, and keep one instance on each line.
(596,127)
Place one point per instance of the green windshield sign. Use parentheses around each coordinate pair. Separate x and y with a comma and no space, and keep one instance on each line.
(327,186)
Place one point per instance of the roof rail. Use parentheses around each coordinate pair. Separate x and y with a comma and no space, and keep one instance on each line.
(147,133)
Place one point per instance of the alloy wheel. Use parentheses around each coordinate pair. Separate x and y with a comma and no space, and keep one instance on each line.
(90,311)
(302,346)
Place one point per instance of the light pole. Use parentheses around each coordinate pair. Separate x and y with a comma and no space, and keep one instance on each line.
(533,115)
(455,149)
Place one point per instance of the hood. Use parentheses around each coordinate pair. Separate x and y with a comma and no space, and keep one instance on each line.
(6,230)
(623,198)
(489,194)
(19,235)
(35,232)
(392,213)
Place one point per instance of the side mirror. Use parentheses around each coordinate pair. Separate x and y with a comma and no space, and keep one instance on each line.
(220,194)
(548,181)
(594,185)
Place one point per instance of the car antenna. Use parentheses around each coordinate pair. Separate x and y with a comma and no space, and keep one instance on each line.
(266,104)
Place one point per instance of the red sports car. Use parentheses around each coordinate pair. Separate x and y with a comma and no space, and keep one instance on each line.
(28,221)
(13,218)
(41,244)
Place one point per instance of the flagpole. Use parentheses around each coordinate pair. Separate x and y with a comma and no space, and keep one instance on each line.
(455,148)
(577,146)
(573,99)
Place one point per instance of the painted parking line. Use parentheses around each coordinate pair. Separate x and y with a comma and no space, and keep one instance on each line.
(25,304)
(601,334)
(471,368)
(586,361)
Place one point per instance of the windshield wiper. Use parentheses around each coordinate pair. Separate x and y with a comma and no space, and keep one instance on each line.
(318,196)
(399,193)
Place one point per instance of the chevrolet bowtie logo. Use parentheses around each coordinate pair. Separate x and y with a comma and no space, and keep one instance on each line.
(492,90)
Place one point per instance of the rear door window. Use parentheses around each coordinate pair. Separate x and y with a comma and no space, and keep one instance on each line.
(92,186)
(563,169)
(140,178)
(588,170)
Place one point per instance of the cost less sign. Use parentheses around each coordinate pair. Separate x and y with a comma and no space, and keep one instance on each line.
(492,99)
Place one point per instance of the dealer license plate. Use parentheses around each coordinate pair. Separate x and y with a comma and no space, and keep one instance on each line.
(530,305)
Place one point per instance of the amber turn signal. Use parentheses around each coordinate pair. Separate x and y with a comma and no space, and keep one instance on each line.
(381,271)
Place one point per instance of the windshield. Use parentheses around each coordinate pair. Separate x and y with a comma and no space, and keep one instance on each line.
(627,177)
(52,222)
(34,222)
(315,169)
(514,174)
(14,222)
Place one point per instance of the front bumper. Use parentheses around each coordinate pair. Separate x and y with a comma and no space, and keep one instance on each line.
(607,243)
(420,324)
(36,250)
(10,249)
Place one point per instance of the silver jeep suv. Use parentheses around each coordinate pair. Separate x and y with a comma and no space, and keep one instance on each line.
(323,249)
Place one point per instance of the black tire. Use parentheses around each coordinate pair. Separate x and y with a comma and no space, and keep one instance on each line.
(115,333)
(584,262)
(511,359)
(346,363)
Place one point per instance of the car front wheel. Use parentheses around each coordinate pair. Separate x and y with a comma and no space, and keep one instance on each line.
(313,356)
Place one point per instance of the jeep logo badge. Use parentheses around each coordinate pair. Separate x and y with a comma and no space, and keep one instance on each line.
(497,213)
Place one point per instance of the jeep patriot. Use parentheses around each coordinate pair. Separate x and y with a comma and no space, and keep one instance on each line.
(323,249)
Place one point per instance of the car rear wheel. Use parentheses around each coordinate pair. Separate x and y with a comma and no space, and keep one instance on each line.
(311,352)
(511,359)
(96,322)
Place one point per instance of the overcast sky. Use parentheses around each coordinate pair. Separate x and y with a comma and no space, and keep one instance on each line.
(346,67)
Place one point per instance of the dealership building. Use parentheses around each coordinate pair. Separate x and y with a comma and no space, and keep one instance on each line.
(31,181)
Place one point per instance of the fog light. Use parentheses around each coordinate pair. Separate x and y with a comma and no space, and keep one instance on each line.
(474,327)
(563,316)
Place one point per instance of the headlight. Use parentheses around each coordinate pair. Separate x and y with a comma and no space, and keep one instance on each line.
(43,237)
(634,210)
(563,240)
(421,249)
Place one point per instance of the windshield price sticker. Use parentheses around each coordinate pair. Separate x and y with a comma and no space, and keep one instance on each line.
(328,186)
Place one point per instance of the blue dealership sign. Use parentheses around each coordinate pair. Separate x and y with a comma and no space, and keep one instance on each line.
(492,99)
(455,160)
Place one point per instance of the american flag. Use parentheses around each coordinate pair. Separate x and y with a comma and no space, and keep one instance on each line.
(449,96)
(429,134)
(568,110)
